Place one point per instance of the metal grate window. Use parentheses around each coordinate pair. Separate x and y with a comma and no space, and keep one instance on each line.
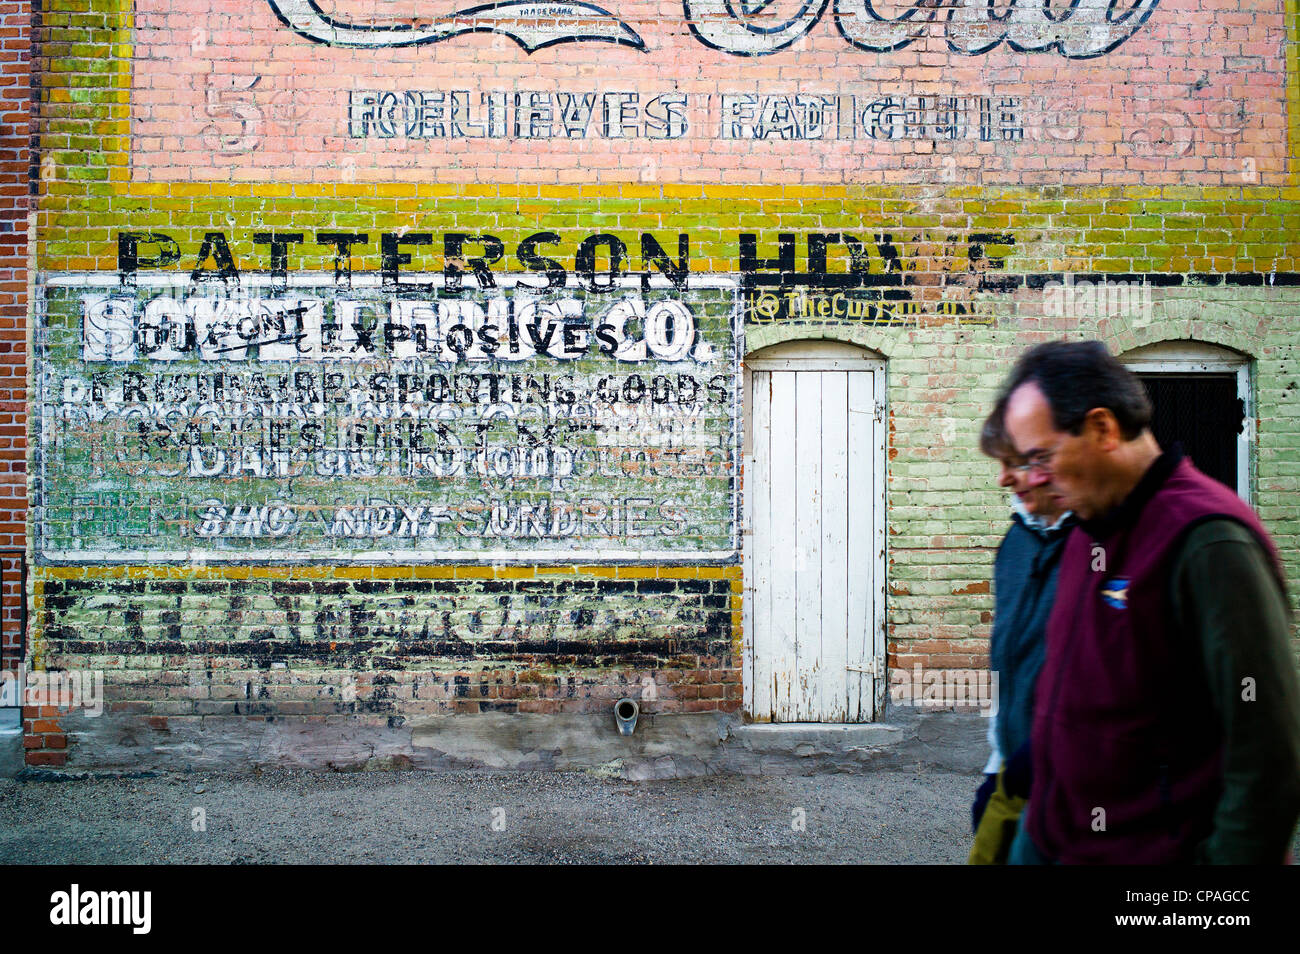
(1204,414)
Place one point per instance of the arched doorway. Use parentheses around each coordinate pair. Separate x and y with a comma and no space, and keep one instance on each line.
(1201,397)
(814,505)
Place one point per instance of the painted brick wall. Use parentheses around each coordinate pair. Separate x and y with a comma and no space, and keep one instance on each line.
(15,207)
(269,247)
(661,627)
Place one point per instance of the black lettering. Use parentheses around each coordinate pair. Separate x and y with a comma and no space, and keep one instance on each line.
(564,392)
(585,261)
(784,262)
(605,335)
(304,386)
(540,342)
(661,391)
(556,276)
(279,251)
(459,339)
(365,331)
(214,246)
(391,259)
(309,437)
(888,252)
(133,388)
(977,248)
(342,242)
(606,391)
(394,334)
(129,260)
(334,392)
(571,337)
(652,253)
(453,250)
(818,243)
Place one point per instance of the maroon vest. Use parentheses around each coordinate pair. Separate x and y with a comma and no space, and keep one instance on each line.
(1123,720)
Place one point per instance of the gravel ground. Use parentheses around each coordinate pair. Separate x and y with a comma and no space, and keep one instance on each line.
(551,818)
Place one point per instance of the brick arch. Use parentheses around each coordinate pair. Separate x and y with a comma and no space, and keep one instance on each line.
(1200,347)
(877,341)
(1185,320)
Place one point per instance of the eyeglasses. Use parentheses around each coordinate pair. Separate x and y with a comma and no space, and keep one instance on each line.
(1039,463)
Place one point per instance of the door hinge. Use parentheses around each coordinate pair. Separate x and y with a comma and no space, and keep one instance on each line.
(872,667)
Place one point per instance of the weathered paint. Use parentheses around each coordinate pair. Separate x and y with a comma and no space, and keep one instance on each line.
(220,154)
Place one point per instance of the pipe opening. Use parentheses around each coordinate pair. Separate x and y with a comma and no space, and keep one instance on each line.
(625,713)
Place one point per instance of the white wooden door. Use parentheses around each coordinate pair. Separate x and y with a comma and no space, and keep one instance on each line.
(814,557)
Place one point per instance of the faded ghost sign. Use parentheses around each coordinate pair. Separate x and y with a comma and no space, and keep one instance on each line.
(190,422)
(762,92)
(1085,28)
(533,25)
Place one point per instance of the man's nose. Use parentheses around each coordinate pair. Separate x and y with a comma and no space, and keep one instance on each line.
(1037,478)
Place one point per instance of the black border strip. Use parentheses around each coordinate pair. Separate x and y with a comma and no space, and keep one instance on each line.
(1009,282)
(1040,280)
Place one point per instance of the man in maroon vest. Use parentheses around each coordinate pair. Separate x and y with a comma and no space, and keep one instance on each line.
(1167,716)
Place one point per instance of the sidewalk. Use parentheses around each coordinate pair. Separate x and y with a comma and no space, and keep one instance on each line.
(883,817)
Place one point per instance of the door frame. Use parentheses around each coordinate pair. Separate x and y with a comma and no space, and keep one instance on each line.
(870,662)
(1200,357)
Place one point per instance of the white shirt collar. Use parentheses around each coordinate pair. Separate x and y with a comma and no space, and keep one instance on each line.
(1032,520)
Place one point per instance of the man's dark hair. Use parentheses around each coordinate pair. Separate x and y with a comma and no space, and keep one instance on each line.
(994,440)
(1077,376)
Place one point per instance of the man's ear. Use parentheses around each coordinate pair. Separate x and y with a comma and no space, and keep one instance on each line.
(1101,425)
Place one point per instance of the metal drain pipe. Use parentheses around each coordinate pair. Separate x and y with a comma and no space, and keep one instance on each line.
(625,713)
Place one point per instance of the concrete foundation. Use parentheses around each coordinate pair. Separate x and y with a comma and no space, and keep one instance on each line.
(663,746)
(11,742)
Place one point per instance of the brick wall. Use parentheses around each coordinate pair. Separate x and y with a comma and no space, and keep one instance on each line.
(412,370)
(15,205)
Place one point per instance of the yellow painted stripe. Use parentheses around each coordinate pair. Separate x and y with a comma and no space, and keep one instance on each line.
(317,572)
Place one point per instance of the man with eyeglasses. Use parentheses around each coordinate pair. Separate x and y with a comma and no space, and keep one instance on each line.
(1024,582)
(1167,716)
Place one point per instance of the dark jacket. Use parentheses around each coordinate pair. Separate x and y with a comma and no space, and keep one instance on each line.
(1024,584)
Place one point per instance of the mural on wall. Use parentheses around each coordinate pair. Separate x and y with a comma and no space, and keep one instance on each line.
(463,415)
(560,410)
(1080,92)
(532,25)
(365,329)
(1085,29)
